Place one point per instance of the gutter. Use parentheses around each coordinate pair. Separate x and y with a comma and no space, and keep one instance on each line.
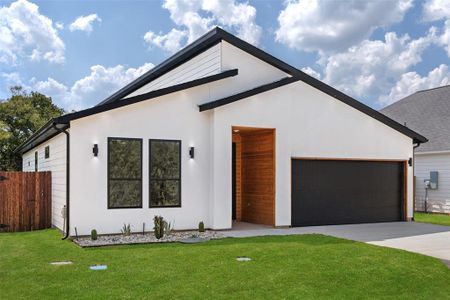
(413,161)
(67,229)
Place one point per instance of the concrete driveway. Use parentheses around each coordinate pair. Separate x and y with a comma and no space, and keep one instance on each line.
(428,239)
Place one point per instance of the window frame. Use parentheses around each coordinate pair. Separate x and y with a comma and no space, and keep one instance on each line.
(36,161)
(150,170)
(47,152)
(109,178)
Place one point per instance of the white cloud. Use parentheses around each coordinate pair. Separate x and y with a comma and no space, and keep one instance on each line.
(84,23)
(444,39)
(196,17)
(170,42)
(373,67)
(434,10)
(85,92)
(59,25)
(412,82)
(329,26)
(24,32)
(311,72)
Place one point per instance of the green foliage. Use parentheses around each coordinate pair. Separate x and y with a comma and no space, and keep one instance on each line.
(282,267)
(158,228)
(165,173)
(93,234)
(126,230)
(168,227)
(20,116)
(439,219)
(125,171)
(201,227)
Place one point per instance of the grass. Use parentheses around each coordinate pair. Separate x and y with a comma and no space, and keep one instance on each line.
(306,266)
(432,218)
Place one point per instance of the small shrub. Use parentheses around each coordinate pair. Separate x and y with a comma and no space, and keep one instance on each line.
(158,221)
(201,227)
(168,227)
(126,230)
(93,234)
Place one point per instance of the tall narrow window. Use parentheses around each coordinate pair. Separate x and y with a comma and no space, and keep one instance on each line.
(165,173)
(47,152)
(36,161)
(124,173)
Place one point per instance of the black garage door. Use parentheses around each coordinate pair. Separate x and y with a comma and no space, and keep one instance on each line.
(328,192)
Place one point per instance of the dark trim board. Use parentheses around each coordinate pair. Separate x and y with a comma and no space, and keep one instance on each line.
(258,90)
(417,138)
(147,96)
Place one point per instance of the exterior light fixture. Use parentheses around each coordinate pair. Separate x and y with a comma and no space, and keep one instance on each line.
(95,150)
(191,152)
(410,162)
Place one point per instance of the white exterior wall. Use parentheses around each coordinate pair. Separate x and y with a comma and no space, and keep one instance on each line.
(308,123)
(205,64)
(439,199)
(56,163)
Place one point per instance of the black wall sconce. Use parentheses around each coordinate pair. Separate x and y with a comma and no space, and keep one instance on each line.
(410,162)
(191,152)
(95,150)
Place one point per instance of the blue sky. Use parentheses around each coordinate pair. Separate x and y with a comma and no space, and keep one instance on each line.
(79,52)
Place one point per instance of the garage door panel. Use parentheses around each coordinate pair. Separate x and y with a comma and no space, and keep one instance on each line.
(343,191)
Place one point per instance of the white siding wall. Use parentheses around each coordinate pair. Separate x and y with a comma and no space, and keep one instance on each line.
(308,123)
(439,199)
(205,64)
(56,163)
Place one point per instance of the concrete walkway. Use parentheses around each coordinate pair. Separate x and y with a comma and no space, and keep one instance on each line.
(428,239)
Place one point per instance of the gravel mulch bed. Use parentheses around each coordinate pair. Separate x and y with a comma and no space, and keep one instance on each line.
(149,237)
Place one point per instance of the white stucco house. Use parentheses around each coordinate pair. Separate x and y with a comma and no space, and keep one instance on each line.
(221,132)
(428,112)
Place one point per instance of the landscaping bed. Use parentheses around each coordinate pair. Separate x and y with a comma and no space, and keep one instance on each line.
(139,238)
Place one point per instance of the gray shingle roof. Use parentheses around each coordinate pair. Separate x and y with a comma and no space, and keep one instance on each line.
(427,112)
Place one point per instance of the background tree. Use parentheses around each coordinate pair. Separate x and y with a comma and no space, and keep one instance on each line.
(20,116)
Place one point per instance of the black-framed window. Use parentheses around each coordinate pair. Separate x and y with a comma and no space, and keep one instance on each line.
(47,152)
(165,173)
(124,172)
(36,162)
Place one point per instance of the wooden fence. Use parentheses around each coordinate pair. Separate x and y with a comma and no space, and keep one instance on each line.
(25,201)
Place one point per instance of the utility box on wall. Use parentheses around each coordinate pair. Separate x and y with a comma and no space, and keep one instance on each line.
(434,180)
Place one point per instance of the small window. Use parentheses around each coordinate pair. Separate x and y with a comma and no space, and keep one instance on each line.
(36,161)
(47,152)
(165,173)
(124,173)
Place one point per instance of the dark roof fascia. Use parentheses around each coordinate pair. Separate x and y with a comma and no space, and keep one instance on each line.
(208,40)
(43,134)
(47,131)
(147,96)
(248,93)
(417,138)
(203,43)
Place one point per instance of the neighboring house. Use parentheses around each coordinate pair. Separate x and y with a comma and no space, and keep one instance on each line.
(428,112)
(224,131)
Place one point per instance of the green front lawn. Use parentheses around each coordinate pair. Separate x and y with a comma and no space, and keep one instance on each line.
(432,218)
(306,266)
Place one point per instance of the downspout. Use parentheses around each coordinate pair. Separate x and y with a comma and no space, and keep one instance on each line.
(414,192)
(66,235)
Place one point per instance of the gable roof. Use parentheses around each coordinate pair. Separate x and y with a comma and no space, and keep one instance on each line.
(208,40)
(428,112)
